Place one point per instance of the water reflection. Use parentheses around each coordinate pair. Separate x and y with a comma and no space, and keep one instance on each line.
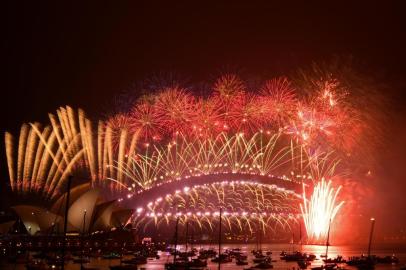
(333,251)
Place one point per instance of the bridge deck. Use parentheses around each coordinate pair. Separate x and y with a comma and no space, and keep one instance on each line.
(170,187)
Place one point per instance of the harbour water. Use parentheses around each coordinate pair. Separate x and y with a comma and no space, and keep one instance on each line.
(345,251)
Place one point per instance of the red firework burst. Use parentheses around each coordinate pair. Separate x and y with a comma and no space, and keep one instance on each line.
(334,120)
(281,100)
(229,95)
(176,109)
(229,85)
(249,114)
(209,119)
(144,117)
(228,89)
(348,130)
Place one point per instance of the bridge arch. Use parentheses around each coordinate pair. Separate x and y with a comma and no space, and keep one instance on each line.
(267,200)
(188,181)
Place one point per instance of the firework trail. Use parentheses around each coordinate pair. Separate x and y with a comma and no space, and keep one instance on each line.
(45,156)
(320,210)
(261,154)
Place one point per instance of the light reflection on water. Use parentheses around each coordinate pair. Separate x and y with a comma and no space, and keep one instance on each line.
(346,251)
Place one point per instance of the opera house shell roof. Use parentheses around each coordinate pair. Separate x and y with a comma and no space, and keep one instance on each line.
(88,212)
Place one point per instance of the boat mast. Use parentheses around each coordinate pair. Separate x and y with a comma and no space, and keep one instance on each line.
(300,236)
(257,238)
(65,222)
(260,239)
(193,239)
(176,238)
(370,236)
(82,238)
(187,234)
(328,238)
(219,265)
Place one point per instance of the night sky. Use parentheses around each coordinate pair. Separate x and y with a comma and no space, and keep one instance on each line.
(84,55)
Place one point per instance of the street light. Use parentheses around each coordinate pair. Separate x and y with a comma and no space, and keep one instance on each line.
(83,235)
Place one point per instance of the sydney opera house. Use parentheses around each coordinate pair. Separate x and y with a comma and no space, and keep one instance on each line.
(87,212)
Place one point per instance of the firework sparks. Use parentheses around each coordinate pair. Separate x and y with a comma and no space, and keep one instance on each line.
(145,117)
(320,210)
(258,154)
(175,109)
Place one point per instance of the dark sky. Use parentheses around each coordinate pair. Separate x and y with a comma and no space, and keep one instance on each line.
(83,55)
(54,54)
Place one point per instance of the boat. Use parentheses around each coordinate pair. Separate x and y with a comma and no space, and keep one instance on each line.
(362,262)
(207,253)
(303,264)
(310,257)
(387,259)
(203,256)
(235,251)
(296,256)
(241,257)
(197,263)
(259,255)
(338,259)
(186,254)
(241,262)
(259,260)
(223,258)
(265,264)
(178,265)
(112,255)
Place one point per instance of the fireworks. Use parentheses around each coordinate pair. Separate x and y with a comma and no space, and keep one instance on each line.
(320,209)
(46,156)
(175,109)
(275,131)
(208,119)
(261,154)
(280,98)
(245,205)
(322,118)
(145,118)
